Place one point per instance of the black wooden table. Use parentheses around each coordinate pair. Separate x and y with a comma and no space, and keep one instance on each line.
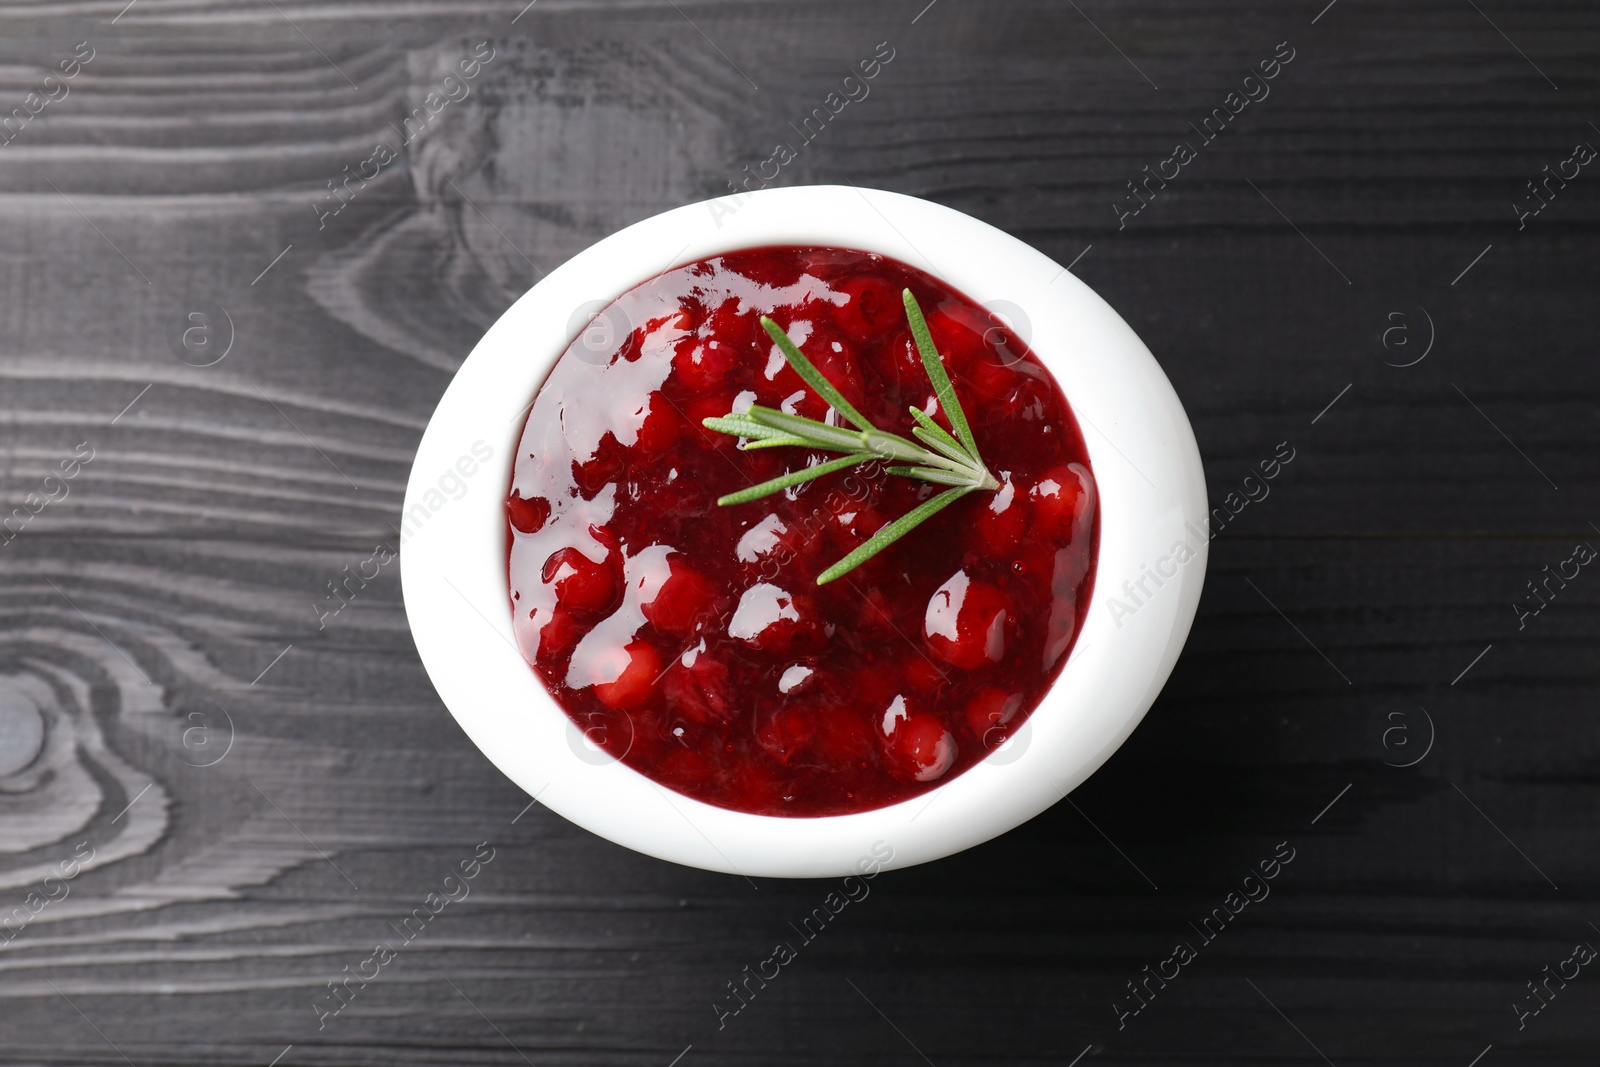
(228,312)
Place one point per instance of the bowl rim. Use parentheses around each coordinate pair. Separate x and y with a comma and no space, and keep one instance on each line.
(1152,500)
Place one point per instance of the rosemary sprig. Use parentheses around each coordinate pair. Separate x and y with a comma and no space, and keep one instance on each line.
(940,458)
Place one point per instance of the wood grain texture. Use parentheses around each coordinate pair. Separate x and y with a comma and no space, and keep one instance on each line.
(266,800)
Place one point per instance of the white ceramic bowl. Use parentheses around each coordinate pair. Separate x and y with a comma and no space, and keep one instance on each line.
(1152,500)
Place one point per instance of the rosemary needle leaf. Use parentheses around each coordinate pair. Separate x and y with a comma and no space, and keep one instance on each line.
(942,388)
(784,481)
(826,436)
(955,454)
(813,377)
(891,533)
(932,474)
(933,435)
(775,442)
(741,426)
(929,423)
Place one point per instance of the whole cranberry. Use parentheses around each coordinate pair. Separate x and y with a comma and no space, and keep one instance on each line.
(989,712)
(1058,497)
(583,586)
(918,744)
(661,427)
(548,635)
(681,602)
(1002,517)
(965,622)
(528,514)
(702,367)
(636,669)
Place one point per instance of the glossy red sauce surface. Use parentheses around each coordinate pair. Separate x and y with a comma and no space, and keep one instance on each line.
(691,641)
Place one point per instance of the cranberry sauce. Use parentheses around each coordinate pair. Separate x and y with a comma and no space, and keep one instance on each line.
(691,641)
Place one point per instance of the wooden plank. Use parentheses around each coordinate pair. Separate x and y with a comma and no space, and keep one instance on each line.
(266,800)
